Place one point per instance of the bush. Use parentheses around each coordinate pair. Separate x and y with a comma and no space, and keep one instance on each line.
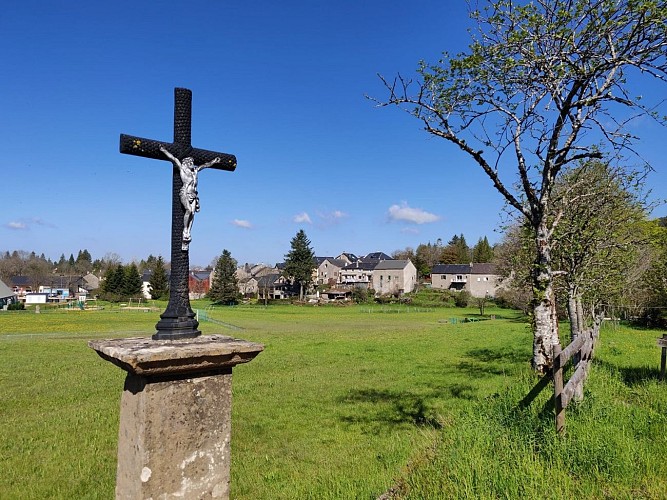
(16,306)
(462,298)
(360,295)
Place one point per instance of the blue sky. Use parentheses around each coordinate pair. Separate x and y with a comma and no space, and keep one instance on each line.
(279,84)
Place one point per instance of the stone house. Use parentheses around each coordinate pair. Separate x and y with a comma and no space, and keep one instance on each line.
(394,277)
(348,257)
(480,279)
(274,286)
(248,286)
(357,275)
(328,270)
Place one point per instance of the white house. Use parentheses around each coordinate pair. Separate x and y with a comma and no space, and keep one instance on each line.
(480,279)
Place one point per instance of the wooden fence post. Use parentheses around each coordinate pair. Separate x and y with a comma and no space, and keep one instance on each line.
(663,357)
(558,390)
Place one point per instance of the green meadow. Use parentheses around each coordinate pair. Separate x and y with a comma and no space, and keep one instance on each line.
(347,402)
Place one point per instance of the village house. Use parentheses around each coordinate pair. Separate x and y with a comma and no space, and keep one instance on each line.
(357,275)
(394,277)
(480,279)
(199,283)
(328,270)
(273,286)
(348,257)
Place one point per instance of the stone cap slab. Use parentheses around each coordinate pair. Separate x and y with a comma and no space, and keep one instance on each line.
(147,357)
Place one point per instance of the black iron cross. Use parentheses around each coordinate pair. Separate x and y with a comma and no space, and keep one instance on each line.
(178,320)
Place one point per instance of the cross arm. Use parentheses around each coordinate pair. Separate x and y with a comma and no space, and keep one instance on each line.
(150,148)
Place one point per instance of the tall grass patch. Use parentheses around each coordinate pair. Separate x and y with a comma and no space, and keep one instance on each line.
(613,447)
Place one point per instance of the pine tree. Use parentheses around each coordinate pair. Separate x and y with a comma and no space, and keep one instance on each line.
(113,282)
(224,289)
(299,262)
(159,284)
(482,251)
(131,281)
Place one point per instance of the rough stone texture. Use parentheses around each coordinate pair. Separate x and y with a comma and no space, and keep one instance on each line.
(175,417)
(206,353)
(174,438)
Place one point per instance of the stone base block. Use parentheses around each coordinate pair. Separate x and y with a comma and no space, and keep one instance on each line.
(174,438)
(175,416)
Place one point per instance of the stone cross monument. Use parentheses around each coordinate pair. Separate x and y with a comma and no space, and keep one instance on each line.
(178,320)
(175,410)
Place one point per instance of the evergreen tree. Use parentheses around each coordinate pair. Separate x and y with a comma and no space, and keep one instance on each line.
(159,285)
(113,282)
(482,251)
(131,281)
(225,289)
(299,262)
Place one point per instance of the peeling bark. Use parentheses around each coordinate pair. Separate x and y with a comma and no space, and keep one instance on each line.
(545,321)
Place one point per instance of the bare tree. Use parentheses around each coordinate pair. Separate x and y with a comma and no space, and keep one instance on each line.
(544,86)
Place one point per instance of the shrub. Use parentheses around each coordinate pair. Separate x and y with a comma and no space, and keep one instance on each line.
(16,306)
(360,295)
(462,298)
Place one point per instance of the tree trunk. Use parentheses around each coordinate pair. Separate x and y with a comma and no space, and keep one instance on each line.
(545,321)
(575,312)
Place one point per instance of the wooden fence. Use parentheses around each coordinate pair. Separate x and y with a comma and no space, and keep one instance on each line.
(580,351)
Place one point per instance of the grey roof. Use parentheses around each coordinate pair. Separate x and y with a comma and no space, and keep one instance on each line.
(336,262)
(200,275)
(376,256)
(350,256)
(20,281)
(267,280)
(5,291)
(483,268)
(364,266)
(391,264)
(451,269)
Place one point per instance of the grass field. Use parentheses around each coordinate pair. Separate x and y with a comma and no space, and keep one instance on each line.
(346,402)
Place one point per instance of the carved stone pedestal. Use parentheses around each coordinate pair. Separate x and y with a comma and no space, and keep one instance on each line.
(175,418)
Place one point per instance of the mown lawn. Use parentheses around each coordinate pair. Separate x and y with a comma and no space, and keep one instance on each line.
(345,402)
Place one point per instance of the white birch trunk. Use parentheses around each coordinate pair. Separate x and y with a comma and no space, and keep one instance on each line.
(545,322)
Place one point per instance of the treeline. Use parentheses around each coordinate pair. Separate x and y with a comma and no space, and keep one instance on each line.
(119,281)
(125,282)
(456,251)
(607,258)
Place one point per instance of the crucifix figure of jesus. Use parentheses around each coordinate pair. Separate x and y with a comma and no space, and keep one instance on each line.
(188,192)
(178,321)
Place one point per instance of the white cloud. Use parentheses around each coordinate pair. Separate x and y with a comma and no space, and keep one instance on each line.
(17,225)
(242,223)
(330,218)
(405,213)
(302,217)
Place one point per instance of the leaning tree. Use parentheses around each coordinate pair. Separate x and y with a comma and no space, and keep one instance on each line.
(544,85)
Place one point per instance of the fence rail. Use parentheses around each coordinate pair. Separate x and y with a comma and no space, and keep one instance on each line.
(580,351)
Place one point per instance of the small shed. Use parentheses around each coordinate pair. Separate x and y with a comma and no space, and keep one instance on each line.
(7,296)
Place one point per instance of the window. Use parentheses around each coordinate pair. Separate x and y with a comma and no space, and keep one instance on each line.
(444,276)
